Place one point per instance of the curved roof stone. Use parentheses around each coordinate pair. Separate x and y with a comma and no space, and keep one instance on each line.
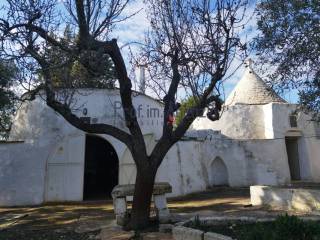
(252,90)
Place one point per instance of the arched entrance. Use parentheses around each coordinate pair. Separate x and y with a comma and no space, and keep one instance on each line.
(101,168)
(218,173)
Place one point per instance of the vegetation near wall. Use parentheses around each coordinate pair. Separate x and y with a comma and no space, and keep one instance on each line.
(288,46)
(7,97)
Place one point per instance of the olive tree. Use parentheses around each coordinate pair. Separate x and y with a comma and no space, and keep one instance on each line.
(288,41)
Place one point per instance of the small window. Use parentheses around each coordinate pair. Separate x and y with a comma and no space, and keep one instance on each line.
(293,121)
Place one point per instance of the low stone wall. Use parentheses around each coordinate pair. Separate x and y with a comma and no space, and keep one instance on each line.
(286,198)
(184,233)
(180,232)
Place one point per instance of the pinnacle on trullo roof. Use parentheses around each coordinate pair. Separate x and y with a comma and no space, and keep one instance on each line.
(252,90)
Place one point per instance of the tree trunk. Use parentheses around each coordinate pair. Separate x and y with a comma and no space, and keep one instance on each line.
(142,198)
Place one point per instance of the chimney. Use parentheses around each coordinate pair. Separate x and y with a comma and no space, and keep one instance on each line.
(142,79)
(249,63)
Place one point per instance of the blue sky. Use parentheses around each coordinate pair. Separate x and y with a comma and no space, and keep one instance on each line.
(132,31)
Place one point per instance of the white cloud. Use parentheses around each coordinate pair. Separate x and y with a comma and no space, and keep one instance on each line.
(133,29)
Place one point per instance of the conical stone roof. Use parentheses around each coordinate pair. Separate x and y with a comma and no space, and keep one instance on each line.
(252,90)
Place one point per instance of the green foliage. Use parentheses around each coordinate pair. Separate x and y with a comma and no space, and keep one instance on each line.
(289,42)
(195,223)
(7,97)
(310,96)
(90,70)
(283,228)
(291,227)
(259,231)
(187,104)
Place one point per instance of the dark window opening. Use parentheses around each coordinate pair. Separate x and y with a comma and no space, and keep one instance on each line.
(293,121)
(101,169)
(293,157)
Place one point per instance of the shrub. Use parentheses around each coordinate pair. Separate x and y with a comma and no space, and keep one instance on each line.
(283,228)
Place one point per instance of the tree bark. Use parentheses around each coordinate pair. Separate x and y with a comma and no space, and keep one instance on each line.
(142,198)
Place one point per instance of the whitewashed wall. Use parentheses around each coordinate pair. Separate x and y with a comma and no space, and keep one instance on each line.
(237,122)
(22,173)
(184,168)
(63,161)
(188,165)
(35,119)
(309,141)
(249,141)
(252,146)
(65,169)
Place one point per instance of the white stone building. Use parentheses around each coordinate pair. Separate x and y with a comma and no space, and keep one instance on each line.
(260,139)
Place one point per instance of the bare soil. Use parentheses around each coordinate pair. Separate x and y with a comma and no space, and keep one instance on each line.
(70,221)
(84,220)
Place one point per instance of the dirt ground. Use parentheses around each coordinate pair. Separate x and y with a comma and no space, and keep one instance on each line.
(55,221)
(84,220)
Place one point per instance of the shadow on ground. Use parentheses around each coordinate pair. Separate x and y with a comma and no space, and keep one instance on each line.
(218,199)
(55,221)
(84,220)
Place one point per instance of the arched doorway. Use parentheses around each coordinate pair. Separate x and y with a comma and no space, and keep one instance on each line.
(218,173)
(101,168)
